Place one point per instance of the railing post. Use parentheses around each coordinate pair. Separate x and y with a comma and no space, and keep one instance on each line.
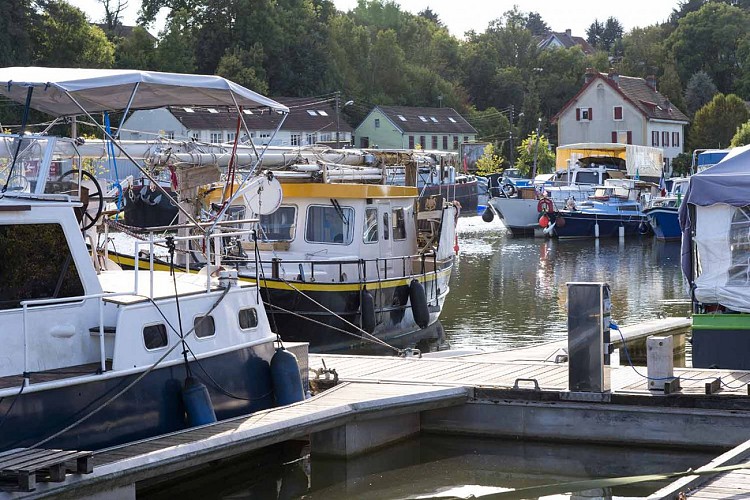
(150,264)
(137,265)
(207,240)
(26,381)
(274,268)
(102,355)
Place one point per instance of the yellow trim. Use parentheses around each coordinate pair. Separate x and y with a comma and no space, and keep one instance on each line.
(344,190)
(565,153)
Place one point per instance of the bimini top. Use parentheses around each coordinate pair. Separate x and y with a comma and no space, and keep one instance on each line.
(98,90)
(726,182)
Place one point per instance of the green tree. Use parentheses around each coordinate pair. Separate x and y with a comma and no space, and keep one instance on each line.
(700,90)
(742,136)
(670,85)
(493,126)
(136,51)
(682,163)
(536,25)
(540,148)
(643,51)
(176,43)
(16,20)
(490,162)
(64,37)
(245,67)
(716,123)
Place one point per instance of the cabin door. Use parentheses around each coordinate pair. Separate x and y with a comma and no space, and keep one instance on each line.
(386,238)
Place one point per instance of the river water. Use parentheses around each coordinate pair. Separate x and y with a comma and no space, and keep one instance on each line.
(505,292)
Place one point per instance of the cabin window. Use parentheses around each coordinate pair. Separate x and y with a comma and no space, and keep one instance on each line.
(248,318)
(205,326)
(587,177)
(330,224)
(155,336)
(399,224)
(386,225)
(279,226)
(35,263)
(371,225)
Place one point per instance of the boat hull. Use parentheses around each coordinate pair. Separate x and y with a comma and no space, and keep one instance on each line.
(463,192)
(721,341)
(582,225)
(518,214)
(152,407)
(665,222)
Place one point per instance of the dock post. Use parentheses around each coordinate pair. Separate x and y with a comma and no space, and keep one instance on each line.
(660,364)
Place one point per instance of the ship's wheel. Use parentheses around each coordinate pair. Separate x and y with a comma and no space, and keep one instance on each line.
(89,197)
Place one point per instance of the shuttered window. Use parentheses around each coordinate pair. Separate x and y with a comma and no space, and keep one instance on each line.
(618,112)
(630,137)
(614,136)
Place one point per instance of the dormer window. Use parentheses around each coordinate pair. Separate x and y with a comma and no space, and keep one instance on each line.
(583,114)
(247,111)
(401,117)
(450,118)
(433,119)
(189,110)
(312,112)
(423,118)
(322,113)
(212,111)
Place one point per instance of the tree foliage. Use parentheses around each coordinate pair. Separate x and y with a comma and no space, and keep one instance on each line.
(716,123)
(742,136)
(538,148)
(605,35)
(490,162)
(700,90)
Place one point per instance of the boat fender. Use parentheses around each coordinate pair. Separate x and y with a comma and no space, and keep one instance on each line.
(287,381)
(543,221)
(418,300)
(488,215)
(544,206)
(197,403)
(367,311)
(644,228)
(548,230)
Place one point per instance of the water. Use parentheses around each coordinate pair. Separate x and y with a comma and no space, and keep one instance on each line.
(510,292)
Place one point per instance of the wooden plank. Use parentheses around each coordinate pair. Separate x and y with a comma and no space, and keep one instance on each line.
(21,459)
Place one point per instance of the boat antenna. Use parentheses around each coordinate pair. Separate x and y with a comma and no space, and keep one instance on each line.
(24,121)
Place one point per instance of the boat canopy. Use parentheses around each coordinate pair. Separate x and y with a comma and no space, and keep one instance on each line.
(98,90)
(644,161)
(720,200)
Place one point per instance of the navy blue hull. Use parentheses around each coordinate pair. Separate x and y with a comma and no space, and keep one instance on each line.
(152,407)
(665,222)
(581,225)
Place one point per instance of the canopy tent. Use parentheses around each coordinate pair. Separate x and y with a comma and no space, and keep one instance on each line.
(717,196)
(644,161)
(98,90)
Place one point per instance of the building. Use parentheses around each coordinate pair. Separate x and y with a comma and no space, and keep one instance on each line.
(564,41)
(310,121)
(400,127)
(622,109)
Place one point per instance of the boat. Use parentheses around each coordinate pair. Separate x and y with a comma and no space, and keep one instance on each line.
(615,210)
(662,211)
(715,222)
(94,356)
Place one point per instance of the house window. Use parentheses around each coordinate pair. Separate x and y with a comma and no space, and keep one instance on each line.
(466,138)
(399,224)
(629,137)
(330,224)
(364,142)
(371,225)
(434,142)
(434,120)
(455,142)
(196,136)
(445,142)
(614,136)
(322,113)
(584,114)
(377,122)
(654,138)
(618,112)
(422,142)
(665,139)
(676,139)
(312,112)
(231,136)
(216,137)
(295,139)
(411,142)
(312,138)
(169,134)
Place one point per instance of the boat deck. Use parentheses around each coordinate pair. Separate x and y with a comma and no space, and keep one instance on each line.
(38,377)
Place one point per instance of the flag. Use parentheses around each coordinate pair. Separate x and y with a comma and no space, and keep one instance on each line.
(663,185)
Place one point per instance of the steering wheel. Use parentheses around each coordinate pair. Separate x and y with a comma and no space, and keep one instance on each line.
(18,183)
(97,196)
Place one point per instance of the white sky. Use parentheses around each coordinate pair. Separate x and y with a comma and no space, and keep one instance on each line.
(463,15)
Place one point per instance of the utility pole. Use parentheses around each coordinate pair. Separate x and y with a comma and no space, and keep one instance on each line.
(536,148)
(511,136)
(337,119)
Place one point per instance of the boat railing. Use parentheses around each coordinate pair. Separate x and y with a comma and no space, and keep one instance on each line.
(428,263)
(101,297)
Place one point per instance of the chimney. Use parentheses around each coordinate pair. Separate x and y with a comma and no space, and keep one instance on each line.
(589,75)
(567,32)
(614,76)
(651,81)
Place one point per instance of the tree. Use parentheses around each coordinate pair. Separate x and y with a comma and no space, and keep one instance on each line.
(245,67)
(700,90)
(64,37)
(716,123)
(175,50)
(643,51)
(611,34)
(492,126)
(536,25)
(16,20)
(682,163)
(594,33)
(112,12)
(742,136)
(489,162)
(531,147)
(428,14)
(136,51)
(670,85)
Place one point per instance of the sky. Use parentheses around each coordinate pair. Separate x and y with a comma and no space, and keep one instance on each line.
(463,15)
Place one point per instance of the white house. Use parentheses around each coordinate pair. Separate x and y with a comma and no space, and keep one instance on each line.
(564,40)
(310,121)
(622,109)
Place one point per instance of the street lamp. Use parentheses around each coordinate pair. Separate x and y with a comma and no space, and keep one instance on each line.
(338,117)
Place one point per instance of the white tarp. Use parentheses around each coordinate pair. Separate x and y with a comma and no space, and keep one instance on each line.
(723,242)
(100,90)
(644,161)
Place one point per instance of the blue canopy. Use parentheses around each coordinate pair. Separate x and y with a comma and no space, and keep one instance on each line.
(727,182)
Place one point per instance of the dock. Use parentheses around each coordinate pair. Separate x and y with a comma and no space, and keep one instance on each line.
(517,394)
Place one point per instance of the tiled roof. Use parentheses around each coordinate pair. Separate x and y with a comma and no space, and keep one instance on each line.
(637,91)
(567,41)
(428,120)
(305,115)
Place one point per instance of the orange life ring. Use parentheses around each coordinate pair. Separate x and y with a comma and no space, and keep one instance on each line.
(545,205)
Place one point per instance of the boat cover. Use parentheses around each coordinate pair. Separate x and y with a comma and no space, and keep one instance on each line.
(720,196)
(100,90)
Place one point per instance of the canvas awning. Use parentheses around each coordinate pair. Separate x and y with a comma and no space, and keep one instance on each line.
(100,90)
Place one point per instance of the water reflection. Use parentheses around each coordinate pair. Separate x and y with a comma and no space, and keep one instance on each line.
(508,292)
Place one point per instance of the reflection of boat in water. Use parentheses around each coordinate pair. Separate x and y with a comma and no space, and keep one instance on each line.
(93,355)
(715,221)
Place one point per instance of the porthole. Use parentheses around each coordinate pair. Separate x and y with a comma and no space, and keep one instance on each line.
(205,326)
(155,336)
(248,318)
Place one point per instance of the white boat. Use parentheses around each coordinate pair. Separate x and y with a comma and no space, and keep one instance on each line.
(92,355)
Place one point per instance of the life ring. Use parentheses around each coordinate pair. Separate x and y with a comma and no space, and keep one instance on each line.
(545,205)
